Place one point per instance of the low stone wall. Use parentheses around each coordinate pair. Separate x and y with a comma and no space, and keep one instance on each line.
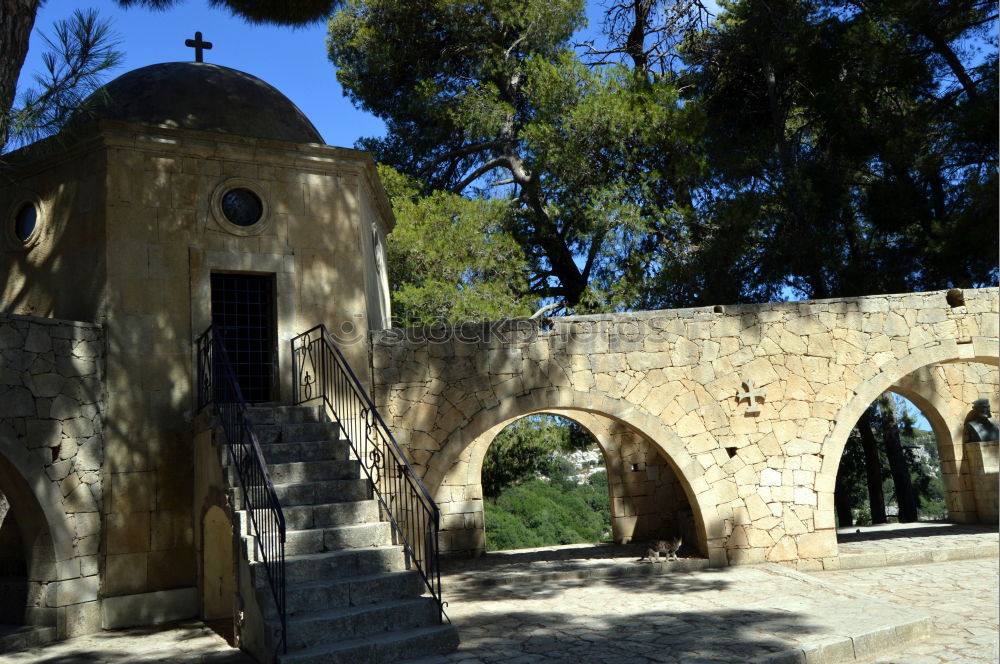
(751,404)
(52,406)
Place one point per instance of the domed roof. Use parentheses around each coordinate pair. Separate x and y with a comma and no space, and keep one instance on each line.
(203,97)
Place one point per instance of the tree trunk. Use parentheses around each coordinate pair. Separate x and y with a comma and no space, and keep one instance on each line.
(17,17)
(905,496)
(873,469)
(842,503)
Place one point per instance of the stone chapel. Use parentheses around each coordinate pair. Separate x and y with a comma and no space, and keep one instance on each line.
(184,195)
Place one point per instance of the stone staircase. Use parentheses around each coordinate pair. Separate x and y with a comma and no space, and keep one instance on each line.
(349,596)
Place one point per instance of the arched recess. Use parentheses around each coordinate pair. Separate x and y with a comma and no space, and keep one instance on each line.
(39,547)
(892,377)
(218,566)
(456,467)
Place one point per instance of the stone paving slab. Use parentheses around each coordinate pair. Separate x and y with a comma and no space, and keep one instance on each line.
(559,563)
(962,598)
(915,543)
(189,642)
(604,606)
(738,614)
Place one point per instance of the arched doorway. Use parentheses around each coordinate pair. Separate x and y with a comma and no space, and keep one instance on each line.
(942,382)
(891,469)
(27,554)
(454,473)
(545,482)
(13,567)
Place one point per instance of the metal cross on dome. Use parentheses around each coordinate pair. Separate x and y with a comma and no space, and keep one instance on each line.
(751,395)
(198,46)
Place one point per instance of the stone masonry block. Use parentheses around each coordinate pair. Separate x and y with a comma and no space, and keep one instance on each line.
(128,533)
(125,573)
(72,591)
(133,492)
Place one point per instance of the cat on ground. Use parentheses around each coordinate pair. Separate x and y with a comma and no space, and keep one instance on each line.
(669,547)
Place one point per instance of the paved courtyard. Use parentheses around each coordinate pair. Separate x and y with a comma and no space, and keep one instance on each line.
(577,605)
(960,596)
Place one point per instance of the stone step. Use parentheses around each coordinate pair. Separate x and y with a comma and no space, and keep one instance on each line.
(337,625)
(336,565)
(25,636)
(381,648)
(315,493)
(303,517)
(314,450)
(306,472)
(318,540)
(296,432)
(313,471)
(323,594)
(283,414)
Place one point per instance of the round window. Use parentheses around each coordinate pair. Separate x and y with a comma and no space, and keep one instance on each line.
(25,221)
(242,207)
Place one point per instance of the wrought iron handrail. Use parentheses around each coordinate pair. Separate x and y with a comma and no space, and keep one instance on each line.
(217,384)
(402,497)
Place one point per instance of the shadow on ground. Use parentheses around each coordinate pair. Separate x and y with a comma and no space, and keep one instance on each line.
(658,636)
(916,530)
(188,642)
(536,588)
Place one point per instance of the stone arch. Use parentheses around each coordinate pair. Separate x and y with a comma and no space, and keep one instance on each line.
(889,378)
(42,547)
(466,445)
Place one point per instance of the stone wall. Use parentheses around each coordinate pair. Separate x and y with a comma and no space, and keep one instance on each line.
(984,470)
(52,420)
(751,405)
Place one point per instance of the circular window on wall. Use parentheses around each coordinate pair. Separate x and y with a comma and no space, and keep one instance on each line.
(24,224)
(242,207)
(25,221)
(239,207)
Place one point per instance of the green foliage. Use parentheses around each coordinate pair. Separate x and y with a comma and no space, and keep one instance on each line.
(531,498)
(450,259)
(494,104)
(528,448)
(830,147)
(922,461)
(539,513)
(80,51)
(841,149)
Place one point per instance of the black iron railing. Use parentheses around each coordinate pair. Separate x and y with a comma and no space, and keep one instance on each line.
(322,373)
(217,384)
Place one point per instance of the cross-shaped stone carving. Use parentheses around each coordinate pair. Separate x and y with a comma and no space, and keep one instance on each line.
(752,396)
(198,46)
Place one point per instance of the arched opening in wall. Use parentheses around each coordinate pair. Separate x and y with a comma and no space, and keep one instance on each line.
(622,474)
(545,482)
(27,559)
(908,458)
(890,470)
(13,567)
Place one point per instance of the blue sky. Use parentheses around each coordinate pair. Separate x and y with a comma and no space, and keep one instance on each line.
(294,61)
